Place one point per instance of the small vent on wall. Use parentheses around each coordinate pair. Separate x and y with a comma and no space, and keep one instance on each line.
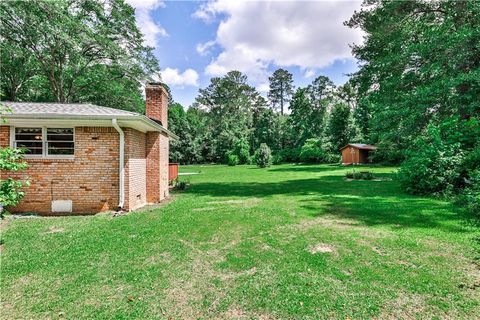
(63,206)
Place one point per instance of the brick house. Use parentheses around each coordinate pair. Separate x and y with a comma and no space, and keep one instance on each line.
(83,159)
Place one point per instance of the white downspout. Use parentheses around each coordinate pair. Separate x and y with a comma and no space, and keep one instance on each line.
(121,195)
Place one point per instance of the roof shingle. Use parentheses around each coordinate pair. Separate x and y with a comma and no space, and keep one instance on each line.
(74,109)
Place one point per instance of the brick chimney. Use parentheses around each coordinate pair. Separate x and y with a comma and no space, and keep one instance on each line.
(157,103)
(157,144)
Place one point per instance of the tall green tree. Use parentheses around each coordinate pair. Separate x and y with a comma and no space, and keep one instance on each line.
(281,89)
(230,101)
(85,50)
(267,128)
(339,129)
(17,68)
(420,73)
(321,91)
(186,149)
(420,65)
(300,118)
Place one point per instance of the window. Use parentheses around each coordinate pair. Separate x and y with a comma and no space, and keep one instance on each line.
(60,141)
(30,139)
(45,142)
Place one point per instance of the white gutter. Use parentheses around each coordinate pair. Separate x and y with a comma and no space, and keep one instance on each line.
(121,195)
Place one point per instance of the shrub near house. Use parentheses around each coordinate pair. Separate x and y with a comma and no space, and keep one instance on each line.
(10,189)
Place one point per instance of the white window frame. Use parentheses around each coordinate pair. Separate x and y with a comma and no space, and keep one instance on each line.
(44,155)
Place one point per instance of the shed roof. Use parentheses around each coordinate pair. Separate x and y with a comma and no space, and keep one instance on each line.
(360,146)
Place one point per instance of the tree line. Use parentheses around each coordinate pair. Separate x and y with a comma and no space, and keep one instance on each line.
(230,117)
(416,96)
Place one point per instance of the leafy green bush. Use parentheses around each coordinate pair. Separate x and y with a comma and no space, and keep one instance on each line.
(470,196)
(312,152)
(387,153)
(242,150)
(181,185)
(432,165)
(359,175)
(333,158)
(290,154)
(232,160)
(367,175)
(263,156)
(277,159)
(10,189)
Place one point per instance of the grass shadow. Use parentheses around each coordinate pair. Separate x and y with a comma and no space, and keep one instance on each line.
(369,202)
(308,168)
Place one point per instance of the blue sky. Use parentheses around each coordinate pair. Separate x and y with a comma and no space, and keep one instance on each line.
(196,40)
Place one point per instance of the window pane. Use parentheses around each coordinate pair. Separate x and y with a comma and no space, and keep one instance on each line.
(60,141)
(32,147)
(63,148)
(28,134)
(61,151)
(60,134)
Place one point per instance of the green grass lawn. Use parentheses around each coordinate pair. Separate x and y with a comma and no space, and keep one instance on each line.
(284,242)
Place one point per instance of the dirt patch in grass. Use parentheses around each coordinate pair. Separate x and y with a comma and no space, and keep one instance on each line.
(163,257)
(418,306)
(249,272)
(54,229)
(378,251)
(327,222)
(321,248)
(404,306)
(189,286)
(245,203)
(203,209)
(235,312)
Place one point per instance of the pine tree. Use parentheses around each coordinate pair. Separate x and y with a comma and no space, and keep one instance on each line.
(281,89)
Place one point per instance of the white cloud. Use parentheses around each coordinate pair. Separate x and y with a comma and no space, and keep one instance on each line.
(173,77)
(207,11)
(263,87)
(204,48)
(151,30)
(309,73)
(257,34)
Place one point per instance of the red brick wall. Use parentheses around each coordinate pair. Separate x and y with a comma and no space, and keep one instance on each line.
(157,166)
(157,144)
(4,136)
(157,103)
(90,180)
(164,149)
(135,169)
(153,167)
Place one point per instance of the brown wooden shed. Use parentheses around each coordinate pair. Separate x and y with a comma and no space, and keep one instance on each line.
(355,153)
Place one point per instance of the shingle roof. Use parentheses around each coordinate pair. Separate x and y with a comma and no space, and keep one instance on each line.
(361,146)
(73,109)
(40,111)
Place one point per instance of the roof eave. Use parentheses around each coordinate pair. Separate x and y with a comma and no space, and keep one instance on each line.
(159,127)
(145,120)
